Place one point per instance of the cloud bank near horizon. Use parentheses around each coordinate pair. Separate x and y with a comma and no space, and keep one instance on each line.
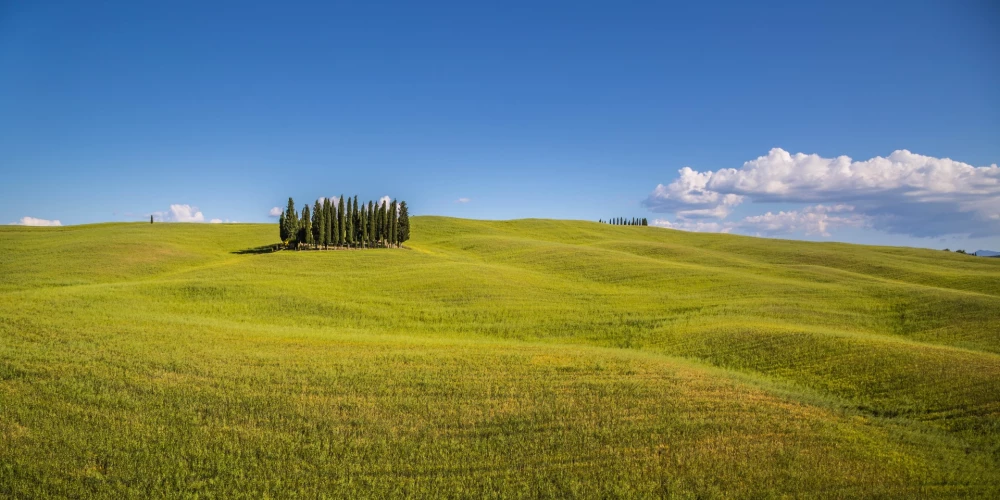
(904,193)
(34,221)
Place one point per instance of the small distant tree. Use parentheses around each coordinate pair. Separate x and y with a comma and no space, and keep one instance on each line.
(404,222)
(960,251)
(645,222)
(150,219)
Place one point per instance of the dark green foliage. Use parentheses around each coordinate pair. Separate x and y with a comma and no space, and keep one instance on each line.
(291,223)
(327,226)
(356,223)
(404,222)
(371,222)
(305,227)
(363,226)
(317,224)
(334,225)
(349,223)
(394,224)
(341,237)
(623,221)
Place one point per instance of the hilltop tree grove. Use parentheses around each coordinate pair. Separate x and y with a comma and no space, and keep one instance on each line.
(344,223)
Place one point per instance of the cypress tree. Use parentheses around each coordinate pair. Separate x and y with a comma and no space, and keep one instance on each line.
(363,226)
(645,222)
(334,225)
(341,237)
(404,222)
(349,220)
(282,229)
(305,230)
(326,223)
(291,222)
(357,222)
(371,222)
(317,224)
(380,224)
(394,221)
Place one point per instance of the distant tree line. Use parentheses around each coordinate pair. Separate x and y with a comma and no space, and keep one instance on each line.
(623,221)
(345,224)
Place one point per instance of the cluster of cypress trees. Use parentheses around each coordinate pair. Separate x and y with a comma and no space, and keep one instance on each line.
(345,224)
(622,221)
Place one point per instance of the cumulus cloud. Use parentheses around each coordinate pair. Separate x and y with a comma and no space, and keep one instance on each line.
(186,213)
(463,200)
(32,221)
(385,200)
(689,225)
(903,193)
(275,212)
(216,221)
(816,220)
(179,213)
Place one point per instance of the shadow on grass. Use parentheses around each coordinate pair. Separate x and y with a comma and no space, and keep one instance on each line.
(258,250)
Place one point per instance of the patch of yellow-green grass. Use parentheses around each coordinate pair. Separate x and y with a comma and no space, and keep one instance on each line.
(493,358)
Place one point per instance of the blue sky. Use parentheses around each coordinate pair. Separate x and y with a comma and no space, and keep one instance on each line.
(111,111)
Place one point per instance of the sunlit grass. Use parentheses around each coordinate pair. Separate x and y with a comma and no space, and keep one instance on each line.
(514,358)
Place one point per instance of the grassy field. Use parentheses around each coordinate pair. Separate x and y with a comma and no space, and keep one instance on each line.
(530,358)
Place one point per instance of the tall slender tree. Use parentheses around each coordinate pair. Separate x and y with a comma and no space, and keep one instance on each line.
(291,223)
(282,228)
(404,222)
(349,220)
(334,225)
(394,221)
(341,236)
(326,222)
(305,227)
(357,223)
(379,223)
(371,222)
(363,225)
(317,224)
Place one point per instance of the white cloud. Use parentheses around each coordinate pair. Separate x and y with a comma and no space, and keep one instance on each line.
(463,200)
(216,221)
(902,193)
(275,212)
(812,220)
(385,200)
(179,213)
(697,226)
(32,221)
(186,213)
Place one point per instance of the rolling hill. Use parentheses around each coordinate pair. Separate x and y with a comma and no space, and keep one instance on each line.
(493,359)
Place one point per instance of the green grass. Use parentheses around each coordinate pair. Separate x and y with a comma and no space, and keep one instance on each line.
(532,358)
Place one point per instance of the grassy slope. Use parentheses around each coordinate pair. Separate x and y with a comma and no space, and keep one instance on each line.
(529,357)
